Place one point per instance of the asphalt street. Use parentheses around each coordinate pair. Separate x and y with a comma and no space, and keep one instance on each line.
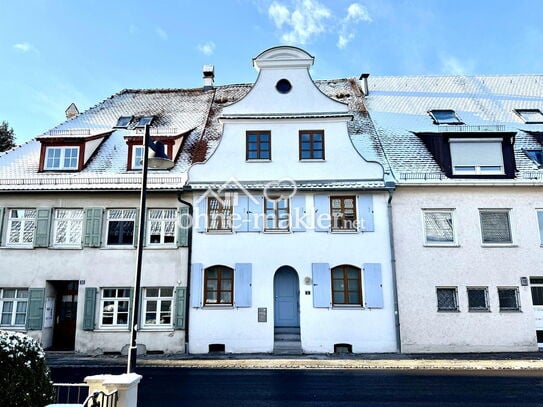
(179,386)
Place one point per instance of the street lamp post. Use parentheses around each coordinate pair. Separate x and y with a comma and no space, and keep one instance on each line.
(159,161)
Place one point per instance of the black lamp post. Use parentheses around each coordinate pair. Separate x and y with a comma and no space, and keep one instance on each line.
(159,160)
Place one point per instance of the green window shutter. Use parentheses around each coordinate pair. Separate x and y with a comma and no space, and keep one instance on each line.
(180,307)
(43,227)
(93,227)
(89,309)
(1,224)
(34,318)
(183,228)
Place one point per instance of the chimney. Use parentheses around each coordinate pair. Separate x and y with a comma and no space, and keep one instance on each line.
(71,111)
(209,76)
(364,79)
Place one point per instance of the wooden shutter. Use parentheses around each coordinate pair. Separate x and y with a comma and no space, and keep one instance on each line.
(322,286)
(92,236)
(297,213)
(241,220)
(43,227)
(180,306)
(365,211)
(183,226)
(196,285)
(89,309)
(34,318)
(2,211)
(242,284)
(202,215)
(255,213)
(540,221)
(373,285)
(322,213)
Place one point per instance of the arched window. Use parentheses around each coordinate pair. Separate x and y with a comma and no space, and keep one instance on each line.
(218,285)
(346,285)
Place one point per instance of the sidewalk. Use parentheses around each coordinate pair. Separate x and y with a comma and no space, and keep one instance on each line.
(474,361)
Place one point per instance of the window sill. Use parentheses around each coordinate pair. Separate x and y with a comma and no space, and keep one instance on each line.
(278,231)
(218,306)
(441,245)
(448,311)
(18,247)
(347,306)
(118,247)
(14,328)
(156,329)
(484,311)
(112,329)
(66,247)
(499,245)
(345,232)
(157,246)
(312,160)
(258,160)
(219,232)
(511,311)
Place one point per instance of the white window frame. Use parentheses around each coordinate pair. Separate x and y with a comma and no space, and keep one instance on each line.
(137,157)
(23,221)
(61,158)
(457,305)
(510,225)
(16,301)
(124,218)
(452,212)
(487,304)
(162,222)
(455,120)
(517,298)
(115,310)
(475,168)
(72,222)
(526,119)
(159,300)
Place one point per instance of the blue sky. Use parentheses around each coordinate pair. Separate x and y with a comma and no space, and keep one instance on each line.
(55,52)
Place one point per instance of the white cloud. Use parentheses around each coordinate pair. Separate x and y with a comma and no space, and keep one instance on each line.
(356,12)
(453,66)
(161,33)
(279,14)
(24,47)
(207,48)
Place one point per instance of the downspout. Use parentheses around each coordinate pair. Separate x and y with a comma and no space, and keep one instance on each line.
(392,186)
(189,264)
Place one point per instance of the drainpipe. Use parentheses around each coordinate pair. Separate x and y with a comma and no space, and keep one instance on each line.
(391,186)
(189,264)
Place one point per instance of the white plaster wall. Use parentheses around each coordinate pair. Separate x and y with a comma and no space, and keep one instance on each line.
(97,267)
(421,269)
(238,328)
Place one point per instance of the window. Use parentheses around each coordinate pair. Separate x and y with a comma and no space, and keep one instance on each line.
(157,303)
(277,214)
(438,227)
(445,117)
(161,226)
(311,145)
(346,286)
(509,299)
(343,212)
(536,156)
(537,290)
(144,121)
(219,213)
(137,157)
(476,156)
(115,303)
(21,225)
(530,116)
(123,122)
(61,158)
(120,226)
(13,303)
(447,299)
(219,285)
(495,227)
(258,145)
(283,86)
(68,226)
(478,298)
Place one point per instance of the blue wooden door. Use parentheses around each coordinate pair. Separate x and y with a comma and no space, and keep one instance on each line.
(286,291)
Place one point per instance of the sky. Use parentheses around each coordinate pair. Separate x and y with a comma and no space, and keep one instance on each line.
(55,52)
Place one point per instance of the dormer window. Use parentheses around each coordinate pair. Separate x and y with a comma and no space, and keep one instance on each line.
(536,156)
(445,117)
(476,156)
(123,122)
(530,116)
(137,157)
(61,158)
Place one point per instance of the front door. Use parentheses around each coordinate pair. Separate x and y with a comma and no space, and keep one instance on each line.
(536,284)
(286,292)
(65,315)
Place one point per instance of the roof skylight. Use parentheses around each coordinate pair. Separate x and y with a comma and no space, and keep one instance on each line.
(123,122)
(530,116)
(536,156)
(144,121)
(445,116)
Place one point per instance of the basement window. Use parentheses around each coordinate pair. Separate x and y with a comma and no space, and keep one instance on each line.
(476,156)
(530,116)
(445,116)
(123,122)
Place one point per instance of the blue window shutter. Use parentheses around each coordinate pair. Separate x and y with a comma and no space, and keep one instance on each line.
(196,285)
(322,285)
(202,215)
(365,211)
(92,236)
(297,213)
(43,227)
(540,221)
(373,285)
(240,220)
(89,311)
(180,304)
(1,223)
(322,213)
(242,284)
(183,224)
(34,318)
(256,213)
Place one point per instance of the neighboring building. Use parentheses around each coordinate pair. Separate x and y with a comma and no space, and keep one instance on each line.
(468,209)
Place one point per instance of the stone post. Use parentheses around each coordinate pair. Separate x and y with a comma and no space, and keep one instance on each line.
(125,384)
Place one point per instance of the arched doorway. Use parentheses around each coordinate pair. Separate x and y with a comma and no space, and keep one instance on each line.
(286,290)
